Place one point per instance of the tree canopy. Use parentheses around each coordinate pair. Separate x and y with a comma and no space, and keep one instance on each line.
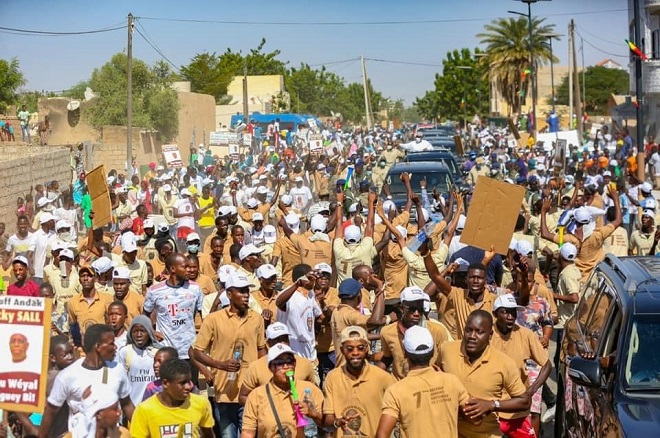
(11,79)
(600,83)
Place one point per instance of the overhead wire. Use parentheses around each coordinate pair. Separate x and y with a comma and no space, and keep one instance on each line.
(17,31)
(598,48)
(154,46)
(616,43)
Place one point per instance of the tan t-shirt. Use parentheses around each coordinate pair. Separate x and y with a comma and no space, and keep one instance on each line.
(426,400)
(311,253)
(462,305)
(569,282)
(362,398)
(349,256)
(87,313)
(394,267)
(590,251)
(324,341)
(617,243)
(344,316)
(259,374)
(641,243)
(222,333)
(417,273)
(289,256)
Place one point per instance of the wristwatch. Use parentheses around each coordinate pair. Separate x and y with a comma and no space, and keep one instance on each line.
(496,404)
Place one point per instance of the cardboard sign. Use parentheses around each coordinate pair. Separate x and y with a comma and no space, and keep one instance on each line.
(233,150)
(513,129)
(222,138)
(98,191)
(247,140)
(172,156)
(571,137)
(312,124)
(25,344)
(315,142)
(560,152)
(492,215)
(458,141)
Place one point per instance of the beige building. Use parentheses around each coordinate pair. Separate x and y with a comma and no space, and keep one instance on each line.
(261,90)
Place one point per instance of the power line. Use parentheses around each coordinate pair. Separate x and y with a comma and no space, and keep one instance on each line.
(359,23)
(153,46)
(599,49)
(389,61)
(16,31)
(616,43)
(334,62)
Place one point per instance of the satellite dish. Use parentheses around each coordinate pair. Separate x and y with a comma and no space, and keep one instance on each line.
(89,94)
(74,105)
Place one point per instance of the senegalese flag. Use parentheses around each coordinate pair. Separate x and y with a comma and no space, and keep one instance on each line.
(349,174)
(462,102)
(636,50)
(526,72)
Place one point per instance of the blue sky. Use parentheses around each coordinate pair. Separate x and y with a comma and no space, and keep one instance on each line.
(58,62)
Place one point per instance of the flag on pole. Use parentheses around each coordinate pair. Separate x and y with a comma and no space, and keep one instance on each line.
(462,102)
(349,175)
(636,50)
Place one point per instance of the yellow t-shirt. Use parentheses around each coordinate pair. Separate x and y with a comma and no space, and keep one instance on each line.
(153,419)
(207,219)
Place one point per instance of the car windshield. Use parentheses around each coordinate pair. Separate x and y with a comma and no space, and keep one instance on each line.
(643,361)
(434,180)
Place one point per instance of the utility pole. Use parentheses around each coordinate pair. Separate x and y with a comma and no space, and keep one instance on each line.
(576,84)
(584,83)
(129,103)
(571,110)
(639,93)
(367,104)
(245,95)
(532,74)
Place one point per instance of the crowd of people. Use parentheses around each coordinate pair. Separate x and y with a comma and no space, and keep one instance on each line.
(282,293)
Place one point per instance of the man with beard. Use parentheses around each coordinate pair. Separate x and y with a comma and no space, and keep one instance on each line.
(89,306)
(354,392)
(233,338)
(487,374)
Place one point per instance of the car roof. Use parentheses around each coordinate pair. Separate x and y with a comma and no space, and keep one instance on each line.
(430,154)
(639,281)
(419,166)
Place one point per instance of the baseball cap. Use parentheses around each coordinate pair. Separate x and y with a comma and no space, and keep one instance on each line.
(148,223)
(249,250)
(582,215)
(524,248)
(62,223)
(648,212)
(252,203)
(167,188)
(121,272)
(87,269)
(192,236)
(128,242)
(257,217)
(569,179)
(270,234)
(323,267)
(352,234)
(43,201)
(262,190)
(224,210)
(277,350)
(412,293)
(266,271)
(418,340)
(225,272)
(353,333)
(293,221)
(353,208)
(318,223)
(349,288)
(287,200)
(120,190)
(21,259)
(388,206)
(277,329)
(607,173)
(320,166)
(102,265)
(185,192)
(298,179)
(46,217)
(568,251)
(646,187)
(237,280)
(163,227)
(67,253)
(506,301)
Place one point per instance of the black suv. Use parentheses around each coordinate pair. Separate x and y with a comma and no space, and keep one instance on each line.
(609,375)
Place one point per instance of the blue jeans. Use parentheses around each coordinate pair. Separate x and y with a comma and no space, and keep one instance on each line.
(25,132)
(229,418)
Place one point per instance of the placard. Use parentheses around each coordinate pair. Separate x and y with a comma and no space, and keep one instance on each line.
(172,156)
(458,141)
(25,344)
(247,140)
(315,142)
(312,124)
(100,195)
(492,215)
(233,150)
(222,138)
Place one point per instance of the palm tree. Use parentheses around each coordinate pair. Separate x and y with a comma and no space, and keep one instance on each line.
(507,55)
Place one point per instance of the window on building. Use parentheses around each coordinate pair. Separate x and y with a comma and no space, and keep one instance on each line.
(655,44)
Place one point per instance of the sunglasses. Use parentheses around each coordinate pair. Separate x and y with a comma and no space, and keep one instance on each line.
(413,309)
(279,364)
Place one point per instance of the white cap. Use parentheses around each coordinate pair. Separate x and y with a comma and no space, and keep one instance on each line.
(121,272)
(646,187)
(298,179)
(320,166)
(167,188)
(277,350)
(461,222)
(277,329)
(21,259)
(570,179)
(266,271)
(287,200)
(318,223)
(418,340)
(388,206)
(506,301)
(110,180)
(185,192)
(463,264)
(262,190)
(353,208)
(257,217)
(293,221)
(163,227)
(43,201)
(160,167)
(237,280)
(607,173)
(523,247)
(148,223)
(252,203)
(120,190)
(352,234)
(224,210)
(192,236)
(412,293)
(648,212)
(323,267)
(568,251)
(582,215)
(225,272)
(67,253)
(102,265)
(270,233)
(248,250)
(128,242)
(46,217)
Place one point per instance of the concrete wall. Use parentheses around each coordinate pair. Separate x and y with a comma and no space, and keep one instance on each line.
(111,151)
(64,129)
(196,114)
(22,167)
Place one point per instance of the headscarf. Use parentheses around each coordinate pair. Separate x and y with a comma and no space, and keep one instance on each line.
(83,424)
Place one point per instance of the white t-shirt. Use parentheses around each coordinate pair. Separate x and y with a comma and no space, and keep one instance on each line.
(18,245)
(301,311)
(301,197)
(139,365)
(175,313)
(38,245)
(72,381)
(121,340)
(655,162)
(71,216)
(184,206)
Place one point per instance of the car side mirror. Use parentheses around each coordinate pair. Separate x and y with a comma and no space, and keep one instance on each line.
(586,372)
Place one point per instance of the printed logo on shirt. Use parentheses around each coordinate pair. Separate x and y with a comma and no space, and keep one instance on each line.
(354,415)
(172,431)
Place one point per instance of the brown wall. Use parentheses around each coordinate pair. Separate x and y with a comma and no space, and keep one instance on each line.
(62,131)
(196,112)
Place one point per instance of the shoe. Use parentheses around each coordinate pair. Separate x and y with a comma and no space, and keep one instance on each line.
(549,414)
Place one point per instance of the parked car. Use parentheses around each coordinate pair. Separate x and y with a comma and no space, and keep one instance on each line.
(609,375)
(437,177)
(443,156)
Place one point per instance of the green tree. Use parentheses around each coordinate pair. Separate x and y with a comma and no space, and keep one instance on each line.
(460,92)
(507,55)
(11,79)
(155,103)
(600,83)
